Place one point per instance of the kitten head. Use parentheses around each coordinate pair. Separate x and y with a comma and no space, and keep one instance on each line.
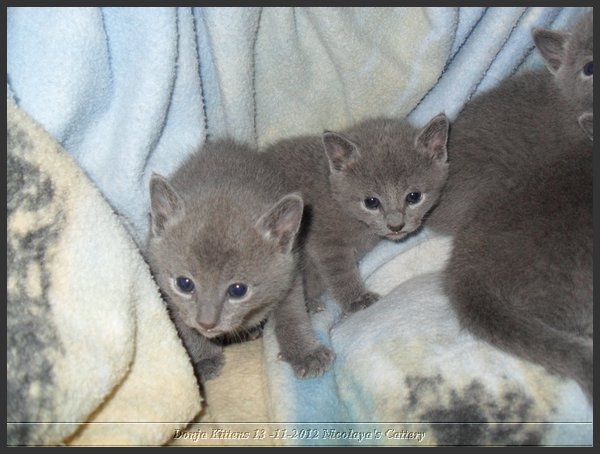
(569,57)
(388,174)
(225,263)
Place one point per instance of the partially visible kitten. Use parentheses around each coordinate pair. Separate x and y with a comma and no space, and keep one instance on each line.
(374,181)
(569,57)
(520,275)
(223,250)
(526,120)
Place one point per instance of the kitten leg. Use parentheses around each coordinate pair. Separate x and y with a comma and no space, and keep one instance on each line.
(297,343)
(340,271)
(313,288)
(206,356)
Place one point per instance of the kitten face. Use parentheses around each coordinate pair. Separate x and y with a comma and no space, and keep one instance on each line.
(393,177)
(569,56)
(223,271)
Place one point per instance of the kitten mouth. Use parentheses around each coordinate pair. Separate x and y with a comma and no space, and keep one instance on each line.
(395,235)
(211,333)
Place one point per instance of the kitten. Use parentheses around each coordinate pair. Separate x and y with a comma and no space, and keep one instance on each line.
(374,181)
(223,250)
(520,275)
(526,120)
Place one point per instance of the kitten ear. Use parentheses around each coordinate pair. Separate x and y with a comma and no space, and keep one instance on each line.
(165,203)
(586,121)
(341,152)
(432,139)
(550,43)
(282,221)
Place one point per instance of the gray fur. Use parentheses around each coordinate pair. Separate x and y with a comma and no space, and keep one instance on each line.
(225,217)
(565,62)
(520,187)
(382,158)
(520,275)
(526,120)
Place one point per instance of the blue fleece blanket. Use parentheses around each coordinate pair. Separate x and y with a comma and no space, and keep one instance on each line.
(132,91)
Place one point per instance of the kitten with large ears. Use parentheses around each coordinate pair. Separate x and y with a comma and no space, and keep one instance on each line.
(569,56)
(526,120)
(521,272)
(223,251)
(371,182)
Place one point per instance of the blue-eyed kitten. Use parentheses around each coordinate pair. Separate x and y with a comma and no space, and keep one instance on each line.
(520,275)
(223,250)
(373,181)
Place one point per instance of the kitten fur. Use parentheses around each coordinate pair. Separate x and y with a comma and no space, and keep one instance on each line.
(386,159)
(525,120)
(225,218)
(520,275)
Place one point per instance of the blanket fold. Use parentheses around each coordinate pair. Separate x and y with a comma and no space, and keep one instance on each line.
(89,339)
(104,97)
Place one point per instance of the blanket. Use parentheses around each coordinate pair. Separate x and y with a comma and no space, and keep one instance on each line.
(404,366)
(131,91)
(91,351)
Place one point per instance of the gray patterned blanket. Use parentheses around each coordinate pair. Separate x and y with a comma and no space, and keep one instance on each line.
(91,352)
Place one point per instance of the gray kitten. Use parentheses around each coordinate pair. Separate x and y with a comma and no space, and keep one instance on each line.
(520,275)
(527,119)
(223,250)
(374,181)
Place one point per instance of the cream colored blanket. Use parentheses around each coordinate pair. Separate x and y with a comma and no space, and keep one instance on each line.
(92,357)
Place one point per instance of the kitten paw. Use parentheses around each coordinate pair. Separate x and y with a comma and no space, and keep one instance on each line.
(314,305)
(362,302)
(209,368)
(313,364)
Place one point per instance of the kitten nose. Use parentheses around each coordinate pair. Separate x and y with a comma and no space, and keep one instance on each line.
(395,228)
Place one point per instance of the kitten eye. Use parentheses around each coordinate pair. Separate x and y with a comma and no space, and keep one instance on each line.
(588,69)
(185,284)
(413,197)
(237,290)
(372,203)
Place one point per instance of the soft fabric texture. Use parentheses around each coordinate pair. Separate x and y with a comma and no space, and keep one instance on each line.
(131,91)
(89,339)
(405,359)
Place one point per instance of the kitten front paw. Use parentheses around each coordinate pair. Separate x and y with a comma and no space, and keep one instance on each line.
(209,368)
(312,364)
(362,302)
